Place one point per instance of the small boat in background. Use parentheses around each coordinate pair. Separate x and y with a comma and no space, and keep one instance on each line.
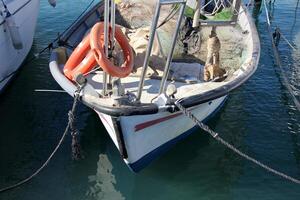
(165,57)
(17,26)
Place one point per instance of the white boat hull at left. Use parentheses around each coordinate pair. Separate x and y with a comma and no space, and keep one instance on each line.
(24,14)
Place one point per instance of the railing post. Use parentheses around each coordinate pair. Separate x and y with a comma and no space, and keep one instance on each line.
(197,14)
(106,35)
(170,56)
(148,51)
(151,39)
(113,22)
(236,10)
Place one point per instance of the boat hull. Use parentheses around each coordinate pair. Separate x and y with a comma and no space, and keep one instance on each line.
(143,138)
(143,131)
(25,13)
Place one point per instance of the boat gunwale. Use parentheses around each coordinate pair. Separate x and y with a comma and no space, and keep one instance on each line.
(66,36)
(70,88)
(187,102)
(236,82)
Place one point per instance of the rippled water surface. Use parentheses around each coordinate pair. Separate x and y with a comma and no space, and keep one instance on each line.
(259,118)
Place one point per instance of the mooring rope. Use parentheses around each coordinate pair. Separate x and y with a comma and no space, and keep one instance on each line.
(285,80)
(69,127)
(269,24)
(217,137)
(288,42)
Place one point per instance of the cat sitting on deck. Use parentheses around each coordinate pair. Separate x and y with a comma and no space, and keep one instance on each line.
(212,68)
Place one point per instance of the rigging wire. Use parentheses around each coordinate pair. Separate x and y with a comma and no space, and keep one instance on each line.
(172,13)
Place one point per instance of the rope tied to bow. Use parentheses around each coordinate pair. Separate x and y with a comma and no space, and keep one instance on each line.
(75,144)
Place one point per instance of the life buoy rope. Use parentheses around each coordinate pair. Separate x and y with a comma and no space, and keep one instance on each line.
(90,51)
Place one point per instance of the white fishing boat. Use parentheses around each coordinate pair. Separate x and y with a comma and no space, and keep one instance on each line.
(17,26)
(165,59)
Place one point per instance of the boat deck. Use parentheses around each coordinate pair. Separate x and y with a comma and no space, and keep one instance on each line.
(181,78)
(238,56)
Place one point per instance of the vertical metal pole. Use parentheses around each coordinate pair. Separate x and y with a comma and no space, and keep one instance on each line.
(113,22)
(236,10)
(149,49)
(197,14)
(112,33)
(106,35)
(170,56)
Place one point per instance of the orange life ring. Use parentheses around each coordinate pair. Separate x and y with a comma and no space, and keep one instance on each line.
(97,47)
(81,60)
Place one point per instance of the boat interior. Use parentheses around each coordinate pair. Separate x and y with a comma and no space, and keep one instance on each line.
(186,67)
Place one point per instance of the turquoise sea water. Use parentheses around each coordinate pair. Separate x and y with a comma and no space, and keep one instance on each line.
(259,118)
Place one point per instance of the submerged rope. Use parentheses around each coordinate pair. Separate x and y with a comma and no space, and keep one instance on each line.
(216,136)
(285,81)
(68,127)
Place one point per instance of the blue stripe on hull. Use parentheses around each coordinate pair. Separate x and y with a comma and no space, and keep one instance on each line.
(148,158)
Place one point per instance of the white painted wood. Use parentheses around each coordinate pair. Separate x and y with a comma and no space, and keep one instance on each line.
(139,143)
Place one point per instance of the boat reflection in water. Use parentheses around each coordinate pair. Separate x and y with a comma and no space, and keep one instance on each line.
(103,181)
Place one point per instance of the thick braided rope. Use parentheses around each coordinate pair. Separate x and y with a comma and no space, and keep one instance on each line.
(231,147)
